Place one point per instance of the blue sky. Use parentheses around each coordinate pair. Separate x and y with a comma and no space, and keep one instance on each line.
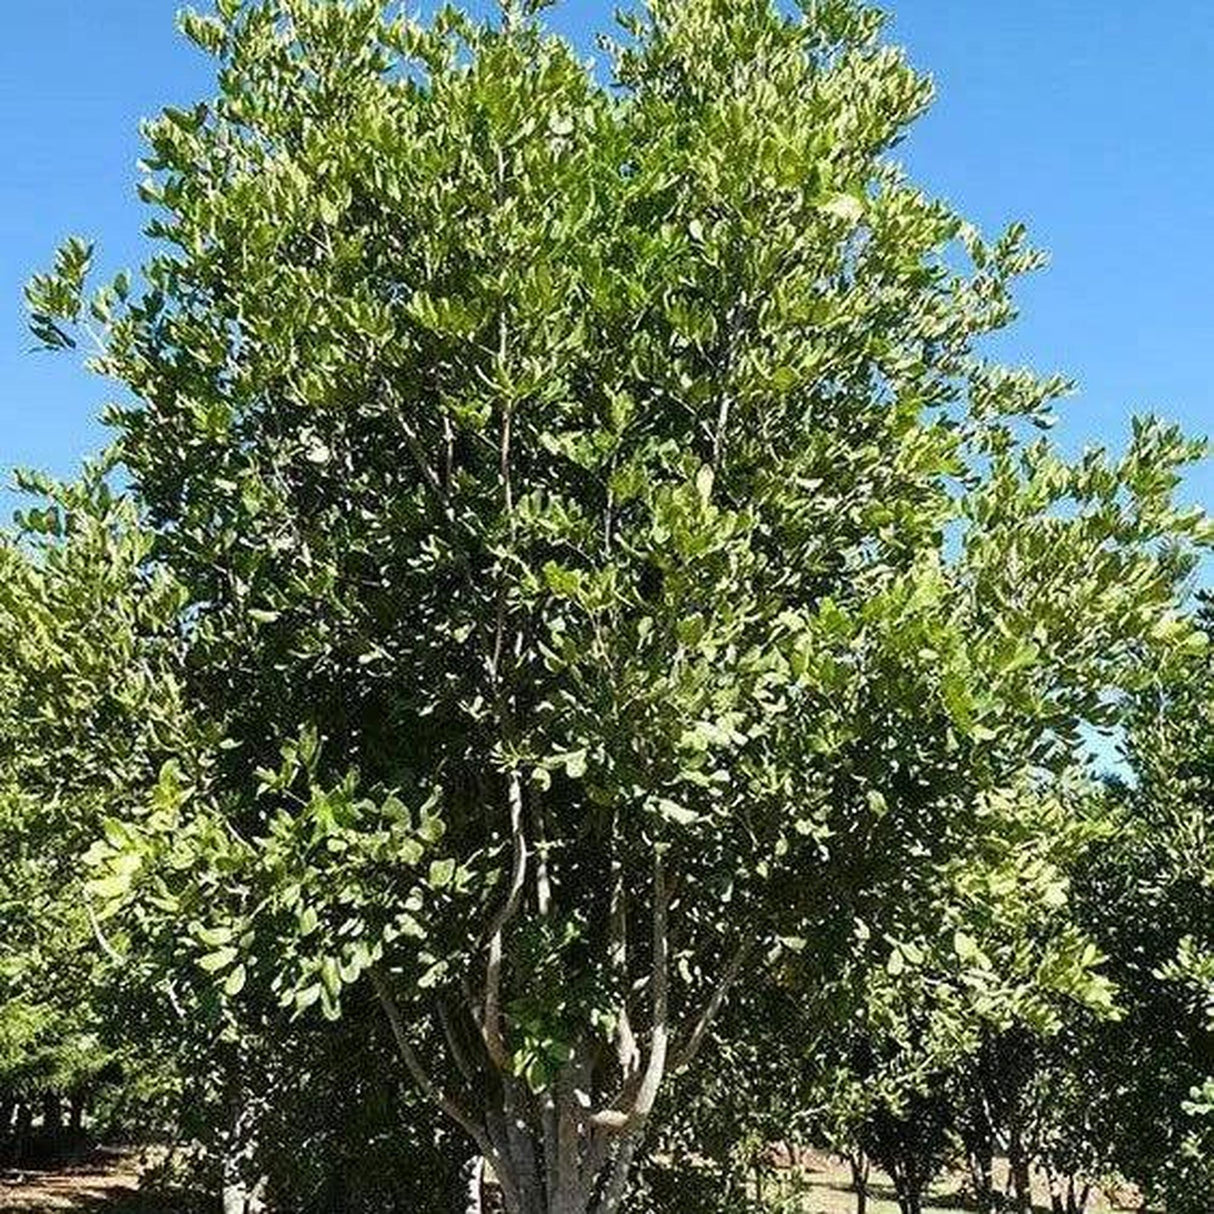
(1089,119)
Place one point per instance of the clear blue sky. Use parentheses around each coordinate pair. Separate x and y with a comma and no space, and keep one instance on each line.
(1089,119)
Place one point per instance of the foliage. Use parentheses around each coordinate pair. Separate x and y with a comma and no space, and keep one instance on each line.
(599,565)
(88,708)
(1150,900)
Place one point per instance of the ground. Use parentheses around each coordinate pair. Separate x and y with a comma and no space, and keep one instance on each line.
(824,1187)
(108,1184)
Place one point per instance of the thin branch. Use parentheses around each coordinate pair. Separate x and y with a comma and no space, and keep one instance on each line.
(660,1035)
(419,457)
(106,947)
(429,1088)
(493,969)
(728,977)
(474,1009)
(623,1121)
(507,487)
(543,882)
(458,1051)
(508,504)
(627,1050)
(448,452)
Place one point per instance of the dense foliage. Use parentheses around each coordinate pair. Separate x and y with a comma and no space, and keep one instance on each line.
(583,601)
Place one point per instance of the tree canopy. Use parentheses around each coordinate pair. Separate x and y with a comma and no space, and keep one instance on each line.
(578,562)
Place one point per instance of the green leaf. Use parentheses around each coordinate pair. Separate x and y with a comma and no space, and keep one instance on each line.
(441,872)
(965,946)
(113,886)
(330,976)
(306,997)
(220,959)
(846,207)
(672,811)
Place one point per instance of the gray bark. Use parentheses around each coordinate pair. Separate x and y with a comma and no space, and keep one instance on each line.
(243,1191)
(475,1193)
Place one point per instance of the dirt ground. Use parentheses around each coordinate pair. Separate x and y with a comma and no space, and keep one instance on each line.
(822,1185)
(108,1184)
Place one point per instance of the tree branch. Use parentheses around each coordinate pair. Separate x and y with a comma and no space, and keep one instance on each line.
(456,1044)
(106,947)
(493,969)
(627,1050)
(419,457)
(620,1120)
(543,882)
(429,1088)
(687,1055)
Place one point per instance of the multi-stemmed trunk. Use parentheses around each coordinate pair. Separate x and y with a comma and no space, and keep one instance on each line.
(550,1152)
(569,1147)
(1071,1198)
(243,1190)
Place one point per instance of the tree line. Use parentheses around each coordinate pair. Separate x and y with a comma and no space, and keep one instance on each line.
(577,665)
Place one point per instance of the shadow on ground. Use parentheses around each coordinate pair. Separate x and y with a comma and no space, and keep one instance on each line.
(104,1181)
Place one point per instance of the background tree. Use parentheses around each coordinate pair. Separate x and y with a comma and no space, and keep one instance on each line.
(1149,898)
(88,710)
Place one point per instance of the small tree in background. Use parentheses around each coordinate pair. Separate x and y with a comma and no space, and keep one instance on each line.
(1149,900)
(89,709)
(609,564)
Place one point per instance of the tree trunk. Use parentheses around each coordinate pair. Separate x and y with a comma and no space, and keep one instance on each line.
(52,1114)
(21,1137)
(1019,1181)
(474,1193)
(981,1159)
(909,1199)
(241,1197)
(1077,1202)
(7,1108)
(1057,1204)
(554,1153)
(243,1189)
(907,1190)
(859,1179)
(589,1174)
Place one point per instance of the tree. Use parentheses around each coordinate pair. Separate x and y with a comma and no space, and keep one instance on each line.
(595,518)
(1149,899)
(88,710)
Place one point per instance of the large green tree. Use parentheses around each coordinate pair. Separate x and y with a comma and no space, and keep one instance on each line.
(610,561)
